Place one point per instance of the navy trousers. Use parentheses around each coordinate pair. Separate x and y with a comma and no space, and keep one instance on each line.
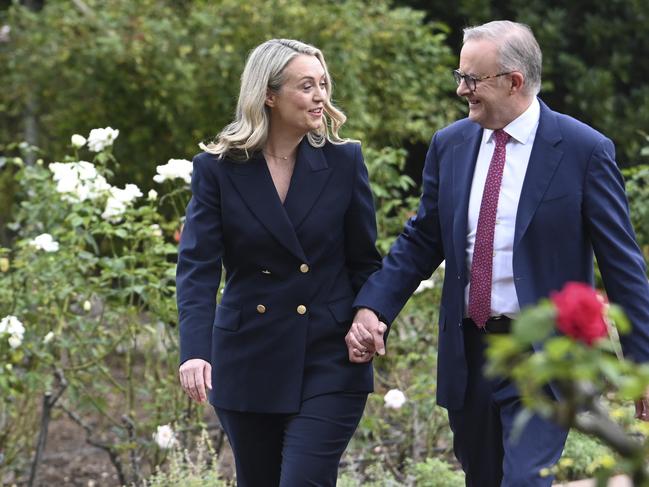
(482,439)
(293,450)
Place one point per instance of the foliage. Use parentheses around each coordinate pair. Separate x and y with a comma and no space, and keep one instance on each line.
(98,310)
(167,73)
(385,169)
(432,472)
(581,457)
(184,470)
(436,473)
(637,188)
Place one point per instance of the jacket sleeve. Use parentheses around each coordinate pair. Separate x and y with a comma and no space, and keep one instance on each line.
(620,260)
(198,273)
(362,257)
(414,256)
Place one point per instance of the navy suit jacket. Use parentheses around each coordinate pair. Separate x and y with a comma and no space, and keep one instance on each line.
(572,203)
(291,274)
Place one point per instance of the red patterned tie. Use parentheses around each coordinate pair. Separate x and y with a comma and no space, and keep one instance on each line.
(482,265)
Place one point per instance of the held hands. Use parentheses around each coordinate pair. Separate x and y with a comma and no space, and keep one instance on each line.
(195,374)
(642,407)
(365,337)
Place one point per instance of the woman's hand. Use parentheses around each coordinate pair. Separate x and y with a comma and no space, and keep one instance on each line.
(195,374)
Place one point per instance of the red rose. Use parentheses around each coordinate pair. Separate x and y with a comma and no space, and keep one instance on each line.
(580,312)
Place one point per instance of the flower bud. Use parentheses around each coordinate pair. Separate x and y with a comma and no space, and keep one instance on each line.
(78,141)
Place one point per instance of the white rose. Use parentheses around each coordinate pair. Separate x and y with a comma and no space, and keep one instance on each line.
(45,242)
(15,341)
(394,399)
(174,169)
(152,195)
(119,200)
(165,437)
(99,139)
(78,141)
(15,327)
(78,181)
(114,210)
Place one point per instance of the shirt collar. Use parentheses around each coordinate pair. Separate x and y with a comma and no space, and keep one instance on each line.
(521,128)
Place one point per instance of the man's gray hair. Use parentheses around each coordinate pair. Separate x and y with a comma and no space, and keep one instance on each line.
(517,48)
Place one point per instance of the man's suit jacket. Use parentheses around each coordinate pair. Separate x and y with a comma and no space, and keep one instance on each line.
(291,274)
(572,202)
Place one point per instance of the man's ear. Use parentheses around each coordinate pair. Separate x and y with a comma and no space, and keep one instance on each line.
(517,82)
(270,98)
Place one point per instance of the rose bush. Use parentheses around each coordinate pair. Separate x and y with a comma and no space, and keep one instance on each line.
(577,352)
(88,314)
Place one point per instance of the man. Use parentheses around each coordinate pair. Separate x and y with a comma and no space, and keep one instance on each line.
(515,198)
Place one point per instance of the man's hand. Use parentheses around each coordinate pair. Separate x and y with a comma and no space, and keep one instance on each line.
(195,374)
(642,407)
(365,336)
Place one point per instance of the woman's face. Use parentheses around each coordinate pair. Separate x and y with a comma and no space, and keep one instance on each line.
(298,106)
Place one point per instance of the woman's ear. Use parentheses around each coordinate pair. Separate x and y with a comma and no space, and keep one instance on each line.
(270,98)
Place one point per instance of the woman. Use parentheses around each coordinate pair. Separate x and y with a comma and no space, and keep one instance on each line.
(285,205)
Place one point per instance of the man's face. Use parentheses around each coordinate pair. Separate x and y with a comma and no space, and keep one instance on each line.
(490,104)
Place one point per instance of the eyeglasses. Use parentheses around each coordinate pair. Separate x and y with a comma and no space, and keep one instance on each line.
(472,81)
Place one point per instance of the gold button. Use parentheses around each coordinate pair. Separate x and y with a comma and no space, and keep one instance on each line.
(301,309)
(304,268)
(261,309)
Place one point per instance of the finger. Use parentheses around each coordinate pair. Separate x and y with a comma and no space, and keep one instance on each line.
(200,384)
(181,378)
(358,357)
(379,344)
(184,382)
(207,376)
(362,335)
(192,389)
(354,343)
(365,336)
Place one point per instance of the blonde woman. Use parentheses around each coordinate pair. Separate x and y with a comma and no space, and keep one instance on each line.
(284,204)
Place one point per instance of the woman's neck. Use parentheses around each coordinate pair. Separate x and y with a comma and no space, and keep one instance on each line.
(281,146)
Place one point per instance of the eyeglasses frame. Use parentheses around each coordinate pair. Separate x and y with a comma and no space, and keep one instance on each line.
(459,76)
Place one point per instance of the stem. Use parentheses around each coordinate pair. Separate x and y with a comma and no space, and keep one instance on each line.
(110,449)
(48,404)
(130,428)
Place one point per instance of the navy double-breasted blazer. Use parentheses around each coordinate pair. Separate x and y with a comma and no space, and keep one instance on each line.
(572,203)
(292,271)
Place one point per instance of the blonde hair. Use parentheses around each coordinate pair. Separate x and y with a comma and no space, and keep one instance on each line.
(264,70)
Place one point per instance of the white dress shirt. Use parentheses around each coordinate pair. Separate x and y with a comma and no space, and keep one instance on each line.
(522,131)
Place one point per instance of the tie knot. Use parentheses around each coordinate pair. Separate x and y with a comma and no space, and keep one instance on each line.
(501,137)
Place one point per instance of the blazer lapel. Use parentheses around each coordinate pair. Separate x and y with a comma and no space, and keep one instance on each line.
(255,185)
(464,160)
(544,160)
(310,176)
